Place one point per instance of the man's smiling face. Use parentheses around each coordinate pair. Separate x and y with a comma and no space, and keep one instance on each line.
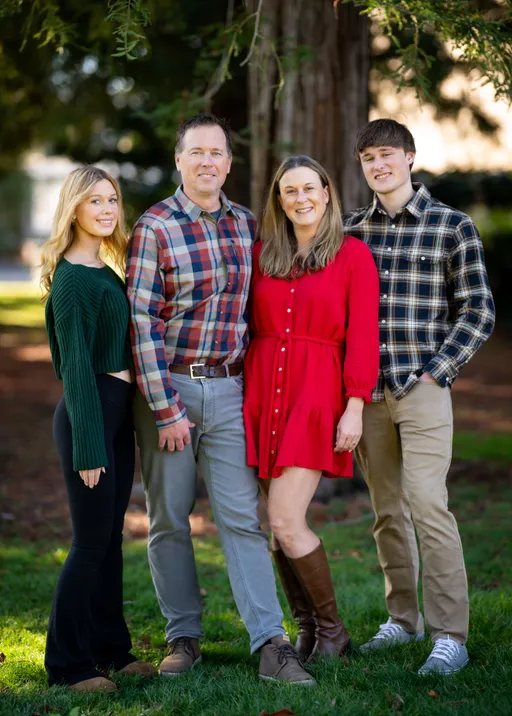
(386,169)
(204,161)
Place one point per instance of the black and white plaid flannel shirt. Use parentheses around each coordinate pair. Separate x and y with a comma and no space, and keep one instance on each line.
(436,307)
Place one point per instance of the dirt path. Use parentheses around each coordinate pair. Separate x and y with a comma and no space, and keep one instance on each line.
(32,494)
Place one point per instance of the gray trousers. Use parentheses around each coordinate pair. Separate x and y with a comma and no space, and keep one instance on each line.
(217,449)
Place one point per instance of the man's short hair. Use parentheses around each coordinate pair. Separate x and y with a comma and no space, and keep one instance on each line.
(384,133)
(202,120)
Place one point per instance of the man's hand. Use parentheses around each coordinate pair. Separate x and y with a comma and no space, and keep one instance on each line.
(176,436)
(427,378)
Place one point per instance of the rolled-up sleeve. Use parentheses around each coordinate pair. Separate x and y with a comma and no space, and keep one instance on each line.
(146,290)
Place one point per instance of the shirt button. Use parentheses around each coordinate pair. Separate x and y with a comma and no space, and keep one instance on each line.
(389,248)
(386,272)
(276,410)
(393,226)
(384,295)
(383,320)
(273,432)
(287,330)
(283,349)
(272,452)
(383,345)
(280,369)
(289,310)
(423,258)
(278,390)
(292,290)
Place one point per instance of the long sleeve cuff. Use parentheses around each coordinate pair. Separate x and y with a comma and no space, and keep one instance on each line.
(443,370)
(170,415)
(366,395)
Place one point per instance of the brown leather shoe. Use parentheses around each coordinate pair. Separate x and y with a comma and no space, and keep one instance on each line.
(184,654)
(139,668)
(314,575)
(301,608)
(97,683)
(279,662)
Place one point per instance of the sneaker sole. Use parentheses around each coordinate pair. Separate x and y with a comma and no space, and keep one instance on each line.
(308,682)
(436,672)
(181,673)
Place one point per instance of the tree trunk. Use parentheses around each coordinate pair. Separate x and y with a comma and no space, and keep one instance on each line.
(325,62)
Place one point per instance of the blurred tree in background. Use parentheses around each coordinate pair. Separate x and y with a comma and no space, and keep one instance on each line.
(111,81)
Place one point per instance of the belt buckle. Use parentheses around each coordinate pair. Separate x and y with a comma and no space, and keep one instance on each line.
(191,370)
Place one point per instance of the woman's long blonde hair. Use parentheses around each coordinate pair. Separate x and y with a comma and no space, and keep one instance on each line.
(279,254)
(75,189)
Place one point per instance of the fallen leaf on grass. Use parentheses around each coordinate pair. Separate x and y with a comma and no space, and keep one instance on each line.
(434,694)
(2,657)
(203,592)
(366,670)
(281,712)
(395,700)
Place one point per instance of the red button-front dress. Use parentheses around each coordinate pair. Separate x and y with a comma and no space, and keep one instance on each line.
(314,344)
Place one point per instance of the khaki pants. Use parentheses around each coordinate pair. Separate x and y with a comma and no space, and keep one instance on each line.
(404,455)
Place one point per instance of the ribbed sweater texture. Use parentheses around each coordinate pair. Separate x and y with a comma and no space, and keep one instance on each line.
(87,320)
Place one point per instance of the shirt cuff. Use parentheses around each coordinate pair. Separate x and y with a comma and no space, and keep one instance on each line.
(443,370)
(171,415)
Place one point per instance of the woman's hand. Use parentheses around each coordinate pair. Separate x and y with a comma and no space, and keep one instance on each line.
(91,477)
(350,427)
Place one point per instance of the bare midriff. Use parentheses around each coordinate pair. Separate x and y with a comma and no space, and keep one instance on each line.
(125,375)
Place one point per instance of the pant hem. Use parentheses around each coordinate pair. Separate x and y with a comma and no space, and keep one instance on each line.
(181,633)
(258,642)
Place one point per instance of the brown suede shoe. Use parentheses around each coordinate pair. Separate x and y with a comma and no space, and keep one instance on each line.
(279,662)
(97,683)
(299,604)
(184,654)
(139,668)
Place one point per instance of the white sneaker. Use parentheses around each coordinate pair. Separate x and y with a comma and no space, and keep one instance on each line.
(446,658)
(390,634)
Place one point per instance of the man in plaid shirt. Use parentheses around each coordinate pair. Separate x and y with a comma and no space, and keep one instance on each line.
(188,277)
(436,310)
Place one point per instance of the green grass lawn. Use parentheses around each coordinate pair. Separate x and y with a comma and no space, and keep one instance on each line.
(226,683)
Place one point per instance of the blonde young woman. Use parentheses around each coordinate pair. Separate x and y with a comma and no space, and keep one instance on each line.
(312,363)
(87,319)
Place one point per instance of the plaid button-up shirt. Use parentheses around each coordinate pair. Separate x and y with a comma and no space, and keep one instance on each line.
(188,281)
(436,307)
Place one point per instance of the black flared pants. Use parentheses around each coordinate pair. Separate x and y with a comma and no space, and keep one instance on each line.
(87,629)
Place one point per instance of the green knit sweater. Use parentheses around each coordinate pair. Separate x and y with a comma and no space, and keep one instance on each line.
(87,319)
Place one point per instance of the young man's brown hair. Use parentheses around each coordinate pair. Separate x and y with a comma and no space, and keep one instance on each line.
(384,133)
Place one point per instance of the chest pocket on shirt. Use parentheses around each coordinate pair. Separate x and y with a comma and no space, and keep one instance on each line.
(423,262)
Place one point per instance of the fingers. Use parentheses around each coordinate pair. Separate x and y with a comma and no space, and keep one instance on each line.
(346,442)
(91,477)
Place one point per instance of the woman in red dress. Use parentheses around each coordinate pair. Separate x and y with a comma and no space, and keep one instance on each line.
(312,363)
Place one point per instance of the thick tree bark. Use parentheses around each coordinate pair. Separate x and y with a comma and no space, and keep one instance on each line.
(324,101)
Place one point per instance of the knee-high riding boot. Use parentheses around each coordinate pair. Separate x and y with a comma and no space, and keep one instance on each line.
(314,575)
(301,608)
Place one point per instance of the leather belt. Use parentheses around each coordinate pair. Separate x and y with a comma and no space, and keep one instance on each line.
(201,370)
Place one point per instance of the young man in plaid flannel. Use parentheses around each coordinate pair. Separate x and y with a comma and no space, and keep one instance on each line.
(436,310)
(188,277)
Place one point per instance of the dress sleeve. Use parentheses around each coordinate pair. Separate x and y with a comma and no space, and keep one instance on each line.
(361,365)
(80,390)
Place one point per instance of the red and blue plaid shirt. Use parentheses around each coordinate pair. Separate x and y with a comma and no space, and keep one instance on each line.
(188,280)
(436,307)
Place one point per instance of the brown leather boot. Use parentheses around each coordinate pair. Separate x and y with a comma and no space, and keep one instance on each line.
(97,683)
(298,601)
(184,654)
(314,575)
(279,662)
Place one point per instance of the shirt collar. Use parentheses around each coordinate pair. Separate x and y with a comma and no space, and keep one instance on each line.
(417,204)
(193,212)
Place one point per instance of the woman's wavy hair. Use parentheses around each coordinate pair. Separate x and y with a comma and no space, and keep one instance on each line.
(75,189)
(279,254)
